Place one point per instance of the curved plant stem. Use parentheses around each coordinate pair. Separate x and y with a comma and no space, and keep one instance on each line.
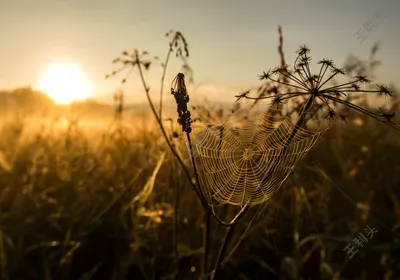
(228,236)
(259,211)
(206,244)
(176,216)
(162,81)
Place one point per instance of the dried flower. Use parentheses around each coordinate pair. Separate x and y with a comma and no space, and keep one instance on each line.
(178,90)
(130,60)
(242,95)
(301,82)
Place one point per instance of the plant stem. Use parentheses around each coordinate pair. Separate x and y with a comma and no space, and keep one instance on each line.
(225,243)
(162,80)
(297,209)
(206,243)
(175,238)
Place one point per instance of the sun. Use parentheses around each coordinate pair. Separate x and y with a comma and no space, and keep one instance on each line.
(65,82)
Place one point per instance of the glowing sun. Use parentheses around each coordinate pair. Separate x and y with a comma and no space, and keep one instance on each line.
(65,82)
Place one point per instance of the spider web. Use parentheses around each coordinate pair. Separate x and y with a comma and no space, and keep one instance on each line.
(248,157)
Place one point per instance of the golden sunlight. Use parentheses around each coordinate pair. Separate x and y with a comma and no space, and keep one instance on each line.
(65,82)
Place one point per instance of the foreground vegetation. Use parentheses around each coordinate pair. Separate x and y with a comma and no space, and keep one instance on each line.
(71,210)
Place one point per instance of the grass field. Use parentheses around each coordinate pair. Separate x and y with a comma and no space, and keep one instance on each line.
(68,209)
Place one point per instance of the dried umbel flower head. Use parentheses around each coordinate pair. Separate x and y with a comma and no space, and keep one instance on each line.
(178,43)
(179,46)
(130,60)
(301,82)
(178,90)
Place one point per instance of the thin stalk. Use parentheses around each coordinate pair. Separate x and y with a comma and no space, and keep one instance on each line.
(327,80)
(319,75)
(297,70)
(362,110)
(228,236)
(255,217)
(292,78)
(282,97)
(206,244)
(297,206)
(342,85)
(207,224)
(162,80)
(287,84)
(176,215)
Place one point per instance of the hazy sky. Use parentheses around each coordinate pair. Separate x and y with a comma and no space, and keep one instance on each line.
(231,42)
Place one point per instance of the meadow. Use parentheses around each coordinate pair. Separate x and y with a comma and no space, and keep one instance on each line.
(112,202)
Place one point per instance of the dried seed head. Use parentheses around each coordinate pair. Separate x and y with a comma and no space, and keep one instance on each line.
(301,85)
(178,90)
(241,95)
(331,114)
(386,115)
(303,50)
(265,75)
(336,70)
(384,90)
(280,69)
(277,101)
(326,62)
(362,78)
(343,117)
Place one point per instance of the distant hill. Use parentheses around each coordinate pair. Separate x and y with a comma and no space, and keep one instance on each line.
(26,100)
(30,102)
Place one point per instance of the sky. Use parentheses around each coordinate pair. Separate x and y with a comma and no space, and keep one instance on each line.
(230,42)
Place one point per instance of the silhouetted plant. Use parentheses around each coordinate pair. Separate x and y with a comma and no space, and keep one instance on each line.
(301,83)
